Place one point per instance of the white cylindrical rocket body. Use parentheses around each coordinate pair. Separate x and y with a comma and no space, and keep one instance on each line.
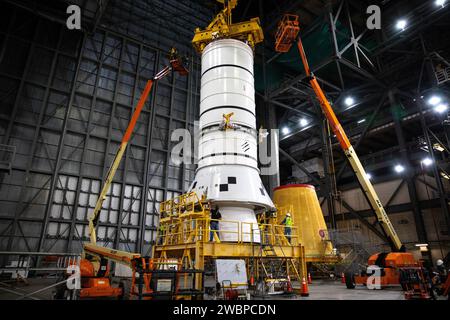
(228,159)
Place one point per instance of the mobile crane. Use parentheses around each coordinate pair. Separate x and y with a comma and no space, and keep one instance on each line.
(94,265)
(389,264)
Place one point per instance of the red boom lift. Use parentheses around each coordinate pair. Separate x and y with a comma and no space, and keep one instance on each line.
(388,264)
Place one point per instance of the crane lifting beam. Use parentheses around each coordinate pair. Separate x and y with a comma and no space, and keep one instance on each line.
(222,27)
(345,144)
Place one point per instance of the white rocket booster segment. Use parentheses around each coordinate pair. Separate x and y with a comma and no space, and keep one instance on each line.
(228,159)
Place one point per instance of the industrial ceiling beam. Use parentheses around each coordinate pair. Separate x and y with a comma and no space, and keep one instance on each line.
(283,105)
(102,5)
(412,192)
(300,166)
(394,194)
(298,78)
(393,209)
(414,28)
(357,215)
(365,131)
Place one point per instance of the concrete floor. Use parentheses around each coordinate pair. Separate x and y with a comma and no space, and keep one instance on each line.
(328,290)
(319,290)
(11,290)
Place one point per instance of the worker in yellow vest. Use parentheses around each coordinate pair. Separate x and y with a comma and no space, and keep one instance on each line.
(287,222)
(161,233)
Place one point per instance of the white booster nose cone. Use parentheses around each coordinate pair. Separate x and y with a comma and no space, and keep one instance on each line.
(228,162)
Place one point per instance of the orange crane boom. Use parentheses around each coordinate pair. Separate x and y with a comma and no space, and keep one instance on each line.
(94,267)
(345,144)
(176,64)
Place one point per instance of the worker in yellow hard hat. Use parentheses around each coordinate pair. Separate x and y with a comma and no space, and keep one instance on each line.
(287,222)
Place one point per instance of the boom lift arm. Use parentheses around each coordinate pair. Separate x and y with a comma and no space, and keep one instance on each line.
(344,142)
(176,64)
(94,267)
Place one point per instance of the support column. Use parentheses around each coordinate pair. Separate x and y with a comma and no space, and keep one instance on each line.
(443,200)
(273,180)
(409,173)
(440,187)
(270,118)
(330,178)
(199,264)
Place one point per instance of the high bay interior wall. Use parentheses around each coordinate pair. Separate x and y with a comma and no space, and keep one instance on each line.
(61,152)
(65,102)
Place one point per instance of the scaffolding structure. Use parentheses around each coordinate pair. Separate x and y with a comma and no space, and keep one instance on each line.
(184,233)
(354,249)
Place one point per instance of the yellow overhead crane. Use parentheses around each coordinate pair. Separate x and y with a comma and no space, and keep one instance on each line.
(222,27)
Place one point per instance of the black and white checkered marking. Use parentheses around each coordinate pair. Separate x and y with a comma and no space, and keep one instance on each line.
(224,186)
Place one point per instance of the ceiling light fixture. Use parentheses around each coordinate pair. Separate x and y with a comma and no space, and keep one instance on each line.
(441,108)
(434,100)
(349,101)
(427,161)
(441,3)
(401,24)
(303,122)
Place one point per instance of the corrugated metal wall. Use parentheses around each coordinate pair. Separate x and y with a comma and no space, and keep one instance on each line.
(65,101)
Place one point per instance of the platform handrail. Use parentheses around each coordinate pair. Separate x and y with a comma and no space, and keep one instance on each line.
(198,229)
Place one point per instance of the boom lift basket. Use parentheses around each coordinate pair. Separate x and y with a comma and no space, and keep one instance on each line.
(288,29)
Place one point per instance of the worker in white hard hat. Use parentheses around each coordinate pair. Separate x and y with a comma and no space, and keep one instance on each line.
(439,277)
(441,268)
(287,222)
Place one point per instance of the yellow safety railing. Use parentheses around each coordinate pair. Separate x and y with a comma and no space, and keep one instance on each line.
(185,220)
(187,203)
(192,230)
(274,234)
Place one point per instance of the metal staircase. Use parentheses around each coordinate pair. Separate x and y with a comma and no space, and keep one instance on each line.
(355,249)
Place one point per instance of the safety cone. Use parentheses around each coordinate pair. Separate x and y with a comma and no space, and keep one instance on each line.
(289,288)
(342,278)
(309,278)
(304,292)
